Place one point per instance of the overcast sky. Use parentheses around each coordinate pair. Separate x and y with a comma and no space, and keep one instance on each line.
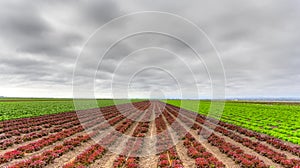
(258,44)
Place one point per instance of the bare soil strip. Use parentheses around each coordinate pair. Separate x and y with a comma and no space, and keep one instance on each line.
(150,161)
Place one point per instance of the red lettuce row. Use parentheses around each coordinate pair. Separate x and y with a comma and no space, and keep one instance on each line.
(48,156)
(202,157)
(87,157)
(237,154)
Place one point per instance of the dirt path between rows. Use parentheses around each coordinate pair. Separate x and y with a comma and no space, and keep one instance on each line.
(186,160)
(151,160)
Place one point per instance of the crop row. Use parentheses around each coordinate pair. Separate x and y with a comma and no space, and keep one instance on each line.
(87,157)
(134,146)
(170,157)
(202,157)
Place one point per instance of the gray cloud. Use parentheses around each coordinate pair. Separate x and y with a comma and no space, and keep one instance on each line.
(258,44)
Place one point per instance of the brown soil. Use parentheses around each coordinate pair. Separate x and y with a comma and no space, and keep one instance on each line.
(150,161)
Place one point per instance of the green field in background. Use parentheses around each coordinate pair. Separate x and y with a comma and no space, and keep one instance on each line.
(22,107)
(278,120)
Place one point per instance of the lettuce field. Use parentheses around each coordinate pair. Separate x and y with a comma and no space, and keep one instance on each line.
(278,120)
(158,134)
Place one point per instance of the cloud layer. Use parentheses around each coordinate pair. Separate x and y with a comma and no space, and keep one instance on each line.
(258,44)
